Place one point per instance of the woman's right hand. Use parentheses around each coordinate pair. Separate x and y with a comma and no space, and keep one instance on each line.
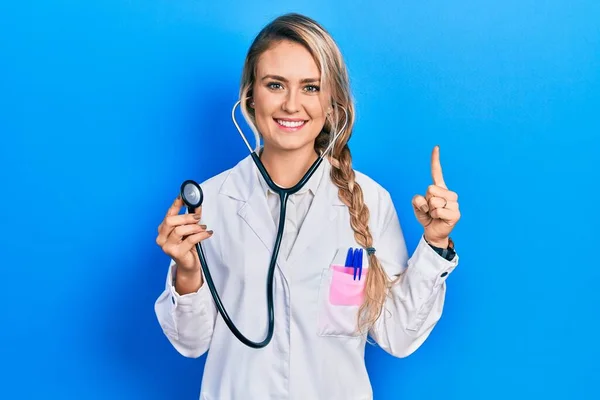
(178,235)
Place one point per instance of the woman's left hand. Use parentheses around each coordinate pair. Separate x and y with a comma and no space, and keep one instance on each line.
(438,210)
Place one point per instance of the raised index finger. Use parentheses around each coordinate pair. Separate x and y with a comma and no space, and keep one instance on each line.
(436,168)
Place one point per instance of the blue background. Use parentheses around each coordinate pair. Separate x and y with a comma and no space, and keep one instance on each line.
(107,106)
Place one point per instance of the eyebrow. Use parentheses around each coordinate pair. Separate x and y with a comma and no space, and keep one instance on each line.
(281,78)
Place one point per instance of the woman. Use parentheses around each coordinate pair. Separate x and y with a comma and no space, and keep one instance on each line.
(295,95)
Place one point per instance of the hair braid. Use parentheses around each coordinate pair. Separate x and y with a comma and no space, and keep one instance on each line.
(351,194)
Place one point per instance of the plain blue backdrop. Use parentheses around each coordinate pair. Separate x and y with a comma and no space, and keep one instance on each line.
(107,106)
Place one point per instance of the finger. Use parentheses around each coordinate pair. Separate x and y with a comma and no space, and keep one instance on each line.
(191,241)
(184,219)
(436,168)
(172,221)
(173,210)
(445,214)
(182,231)
(420,204)
(437,202)
(452,205)
(438,191)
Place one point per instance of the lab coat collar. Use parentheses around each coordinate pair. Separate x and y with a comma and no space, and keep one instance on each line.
(244,179)
(243,184)
(311,186)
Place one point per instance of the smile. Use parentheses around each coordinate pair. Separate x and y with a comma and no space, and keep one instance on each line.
(290,125)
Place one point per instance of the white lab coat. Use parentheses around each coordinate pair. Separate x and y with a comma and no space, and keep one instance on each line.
(314,353)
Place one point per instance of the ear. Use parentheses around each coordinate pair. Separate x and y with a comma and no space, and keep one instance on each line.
(331,106)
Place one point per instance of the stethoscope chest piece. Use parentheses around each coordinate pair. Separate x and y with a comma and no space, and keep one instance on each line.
(191,194)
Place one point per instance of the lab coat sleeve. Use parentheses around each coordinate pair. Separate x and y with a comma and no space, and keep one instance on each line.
(187,321)
(415,301)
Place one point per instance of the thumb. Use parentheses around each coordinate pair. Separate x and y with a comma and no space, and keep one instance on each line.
(420,204)
(421,209)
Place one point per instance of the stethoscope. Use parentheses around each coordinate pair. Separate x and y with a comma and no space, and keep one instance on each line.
(192,196)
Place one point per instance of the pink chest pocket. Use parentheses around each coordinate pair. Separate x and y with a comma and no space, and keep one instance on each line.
(344,289)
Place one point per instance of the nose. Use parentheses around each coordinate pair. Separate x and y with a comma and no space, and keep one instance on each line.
(291,104)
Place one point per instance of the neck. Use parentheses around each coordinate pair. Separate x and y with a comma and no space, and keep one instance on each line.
(286,168)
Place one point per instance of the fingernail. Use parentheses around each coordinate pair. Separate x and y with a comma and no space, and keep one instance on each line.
(424,208)
(210,232)
(203,226)
(197,216)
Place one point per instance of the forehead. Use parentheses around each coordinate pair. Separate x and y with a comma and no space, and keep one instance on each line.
(288,59)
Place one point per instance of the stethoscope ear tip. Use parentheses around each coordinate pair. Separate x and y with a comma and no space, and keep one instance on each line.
(191,194)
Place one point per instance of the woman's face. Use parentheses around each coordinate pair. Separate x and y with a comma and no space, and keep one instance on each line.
(287,100)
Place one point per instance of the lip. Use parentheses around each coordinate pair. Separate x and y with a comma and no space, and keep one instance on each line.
(290,129)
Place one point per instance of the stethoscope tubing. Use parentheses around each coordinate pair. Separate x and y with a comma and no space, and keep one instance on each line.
(284,194)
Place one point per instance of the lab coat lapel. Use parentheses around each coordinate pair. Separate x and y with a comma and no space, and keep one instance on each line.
(257,215)
(243,185)
(320,216)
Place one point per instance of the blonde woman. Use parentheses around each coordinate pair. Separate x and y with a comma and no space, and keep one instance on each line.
(295,95)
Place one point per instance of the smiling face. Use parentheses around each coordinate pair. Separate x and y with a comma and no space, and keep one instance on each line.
(287,97)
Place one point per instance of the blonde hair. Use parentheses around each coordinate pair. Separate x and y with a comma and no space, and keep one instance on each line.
(334,76)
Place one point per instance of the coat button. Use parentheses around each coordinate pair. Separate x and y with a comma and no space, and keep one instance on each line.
(444,274)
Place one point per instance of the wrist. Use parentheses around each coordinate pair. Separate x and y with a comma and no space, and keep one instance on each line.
(445,248)
(187,281)
(441,243)
(186,273)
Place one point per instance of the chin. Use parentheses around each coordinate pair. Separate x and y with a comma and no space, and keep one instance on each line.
(286,140)
(292,145)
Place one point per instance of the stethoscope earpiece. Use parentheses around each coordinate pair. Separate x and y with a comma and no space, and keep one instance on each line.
(192,195)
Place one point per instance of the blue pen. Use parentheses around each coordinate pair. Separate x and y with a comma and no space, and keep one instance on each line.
(349,258)
(355,262)
(360,261)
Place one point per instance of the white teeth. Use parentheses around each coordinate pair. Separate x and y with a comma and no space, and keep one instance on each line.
(290,124)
